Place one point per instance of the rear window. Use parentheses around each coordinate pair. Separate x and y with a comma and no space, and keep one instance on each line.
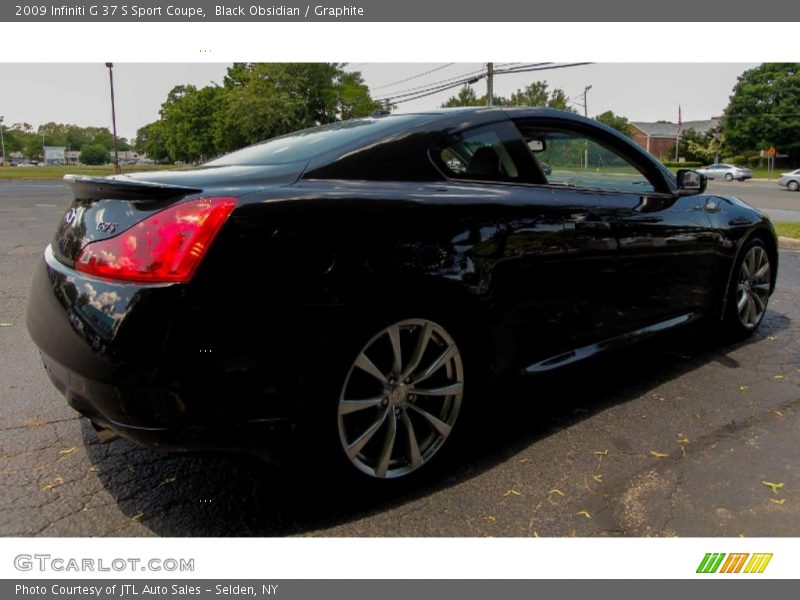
(305,144)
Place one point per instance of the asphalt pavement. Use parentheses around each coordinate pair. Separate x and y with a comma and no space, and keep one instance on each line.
(777,202)
(675,437)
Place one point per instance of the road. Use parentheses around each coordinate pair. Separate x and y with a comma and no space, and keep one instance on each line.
(673,437)
(777,202)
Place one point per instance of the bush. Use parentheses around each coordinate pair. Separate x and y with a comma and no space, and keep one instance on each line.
(95,154)
(689,164)
(754,161)
(738,159)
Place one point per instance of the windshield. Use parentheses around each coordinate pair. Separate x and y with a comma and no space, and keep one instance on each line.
(305,144)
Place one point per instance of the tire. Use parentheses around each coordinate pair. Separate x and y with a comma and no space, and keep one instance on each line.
(399,399)
(793,186)
(728,176)
(749,290)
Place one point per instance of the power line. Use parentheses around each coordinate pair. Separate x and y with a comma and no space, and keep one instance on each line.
(463,77)
(417,76)
(428,92)
(524,69)
(459,80)
(536,67)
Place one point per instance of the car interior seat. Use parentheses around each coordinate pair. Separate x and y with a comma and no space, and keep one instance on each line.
(485,164)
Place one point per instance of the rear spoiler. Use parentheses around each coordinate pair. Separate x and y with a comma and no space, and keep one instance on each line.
(124,189)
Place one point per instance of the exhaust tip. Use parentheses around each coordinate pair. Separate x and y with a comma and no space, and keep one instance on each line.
(104,435)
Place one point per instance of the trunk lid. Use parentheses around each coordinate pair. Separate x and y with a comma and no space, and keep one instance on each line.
(107,206)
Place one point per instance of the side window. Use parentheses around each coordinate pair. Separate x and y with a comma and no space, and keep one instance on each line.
(574,160)
(488,153)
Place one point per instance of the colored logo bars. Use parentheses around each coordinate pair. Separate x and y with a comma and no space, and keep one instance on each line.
(734,563)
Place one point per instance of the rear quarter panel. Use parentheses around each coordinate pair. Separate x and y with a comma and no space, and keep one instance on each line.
(308,261)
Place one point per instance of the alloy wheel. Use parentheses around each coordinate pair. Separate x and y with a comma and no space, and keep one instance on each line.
(793,186)
(752,292)
(400,399)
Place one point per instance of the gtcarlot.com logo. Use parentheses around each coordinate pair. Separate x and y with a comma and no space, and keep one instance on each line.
(734,563)
(46,562)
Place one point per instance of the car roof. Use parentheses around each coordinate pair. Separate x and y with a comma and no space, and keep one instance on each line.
(513,111)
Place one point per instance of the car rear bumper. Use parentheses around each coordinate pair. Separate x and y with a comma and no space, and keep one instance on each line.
(158,418)
(109,349)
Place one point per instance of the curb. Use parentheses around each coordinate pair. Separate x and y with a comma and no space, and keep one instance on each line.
(787,243)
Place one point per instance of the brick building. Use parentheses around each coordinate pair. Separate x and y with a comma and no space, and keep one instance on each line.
(658,138)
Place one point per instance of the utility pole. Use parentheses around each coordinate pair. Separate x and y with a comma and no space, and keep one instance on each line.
(586,114)
(3,144)
(113,117)
(490,84)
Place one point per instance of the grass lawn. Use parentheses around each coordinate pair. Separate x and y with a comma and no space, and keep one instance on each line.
(791,230)
(762,173)
(59,172)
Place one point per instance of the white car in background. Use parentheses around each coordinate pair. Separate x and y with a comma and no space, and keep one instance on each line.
(726,172)
(791,181)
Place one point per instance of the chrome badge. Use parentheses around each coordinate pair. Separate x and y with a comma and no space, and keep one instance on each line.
(71,215)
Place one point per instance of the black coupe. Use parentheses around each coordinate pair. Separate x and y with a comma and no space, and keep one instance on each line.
(351,285)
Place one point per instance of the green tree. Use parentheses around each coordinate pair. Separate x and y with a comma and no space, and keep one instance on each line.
(466,97)
(14,139)
(151,140)
(33,147)
(617,122)
(352,96)
(257,101)
(95,154)
(534,94)
(699,147)
(189,116)
(263,100)
(764,110)
(539,94)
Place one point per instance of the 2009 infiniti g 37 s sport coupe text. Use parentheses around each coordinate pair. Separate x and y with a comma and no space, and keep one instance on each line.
(349,285)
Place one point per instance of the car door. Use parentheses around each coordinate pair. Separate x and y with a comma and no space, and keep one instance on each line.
(513,238)
(639,255)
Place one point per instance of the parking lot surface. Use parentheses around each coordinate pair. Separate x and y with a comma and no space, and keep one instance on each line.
(679,436)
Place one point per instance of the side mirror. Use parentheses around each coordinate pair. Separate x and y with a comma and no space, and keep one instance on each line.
(690,182)
(537,145)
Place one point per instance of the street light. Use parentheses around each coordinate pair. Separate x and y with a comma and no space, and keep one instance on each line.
(586,114)
(2,144)
(585,107)
(113,117)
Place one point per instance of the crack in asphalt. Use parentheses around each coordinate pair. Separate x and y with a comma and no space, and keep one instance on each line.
(39,425)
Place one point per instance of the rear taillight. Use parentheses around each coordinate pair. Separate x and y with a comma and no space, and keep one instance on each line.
(165,247)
